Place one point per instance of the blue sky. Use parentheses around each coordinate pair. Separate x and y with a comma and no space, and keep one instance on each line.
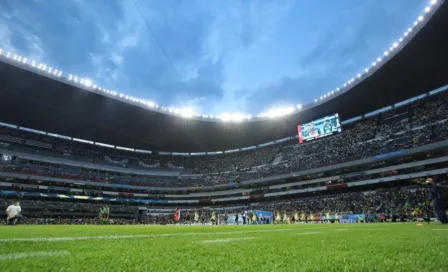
(223,56)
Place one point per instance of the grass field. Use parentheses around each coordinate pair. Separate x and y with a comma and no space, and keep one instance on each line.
(360,247)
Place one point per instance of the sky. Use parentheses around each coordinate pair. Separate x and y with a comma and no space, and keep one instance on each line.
(214,56)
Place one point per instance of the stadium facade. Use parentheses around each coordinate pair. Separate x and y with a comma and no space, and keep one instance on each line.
(66,151)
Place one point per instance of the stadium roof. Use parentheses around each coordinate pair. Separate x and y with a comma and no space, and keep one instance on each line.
(32,100)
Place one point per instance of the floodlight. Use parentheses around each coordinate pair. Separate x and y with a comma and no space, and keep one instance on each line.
(433,2)
(427,9)
(386,53)
(420,18)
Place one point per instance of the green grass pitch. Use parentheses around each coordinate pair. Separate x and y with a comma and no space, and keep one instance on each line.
(339,247)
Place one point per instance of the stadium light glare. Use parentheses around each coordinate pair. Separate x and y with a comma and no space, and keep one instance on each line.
(230,117)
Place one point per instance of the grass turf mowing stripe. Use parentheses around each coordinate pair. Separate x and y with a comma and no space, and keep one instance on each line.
(228,240)
(39,254)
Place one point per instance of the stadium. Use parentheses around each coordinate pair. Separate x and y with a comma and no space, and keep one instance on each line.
(109,182)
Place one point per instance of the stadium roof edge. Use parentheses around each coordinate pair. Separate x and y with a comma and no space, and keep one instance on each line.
(345,122)
(62,109)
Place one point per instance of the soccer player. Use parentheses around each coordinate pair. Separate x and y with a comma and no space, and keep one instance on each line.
(196,217)
(226,217)
(213,217)
(176,216)
(13,212)
(439,196)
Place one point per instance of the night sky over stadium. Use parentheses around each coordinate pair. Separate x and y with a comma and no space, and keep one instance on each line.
(213,56)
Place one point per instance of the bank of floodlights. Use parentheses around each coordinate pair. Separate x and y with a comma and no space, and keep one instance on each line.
(226,117)
(387,53)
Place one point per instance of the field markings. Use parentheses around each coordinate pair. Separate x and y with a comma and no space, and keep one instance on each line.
(228,240)
(440,229)
(160,235)
(308,233)
(363,229)
(115,237)
(38,254)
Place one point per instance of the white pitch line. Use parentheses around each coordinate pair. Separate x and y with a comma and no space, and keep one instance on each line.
(38,254)
(354,229)
(307,233)
(228,240)
(115,237)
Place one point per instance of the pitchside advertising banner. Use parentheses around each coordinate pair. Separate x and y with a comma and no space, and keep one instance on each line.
(319,128)
(249,214)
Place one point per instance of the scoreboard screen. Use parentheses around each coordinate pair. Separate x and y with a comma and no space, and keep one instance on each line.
(319,128)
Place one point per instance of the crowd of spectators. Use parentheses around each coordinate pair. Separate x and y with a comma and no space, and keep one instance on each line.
(396,202)
(405,127)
